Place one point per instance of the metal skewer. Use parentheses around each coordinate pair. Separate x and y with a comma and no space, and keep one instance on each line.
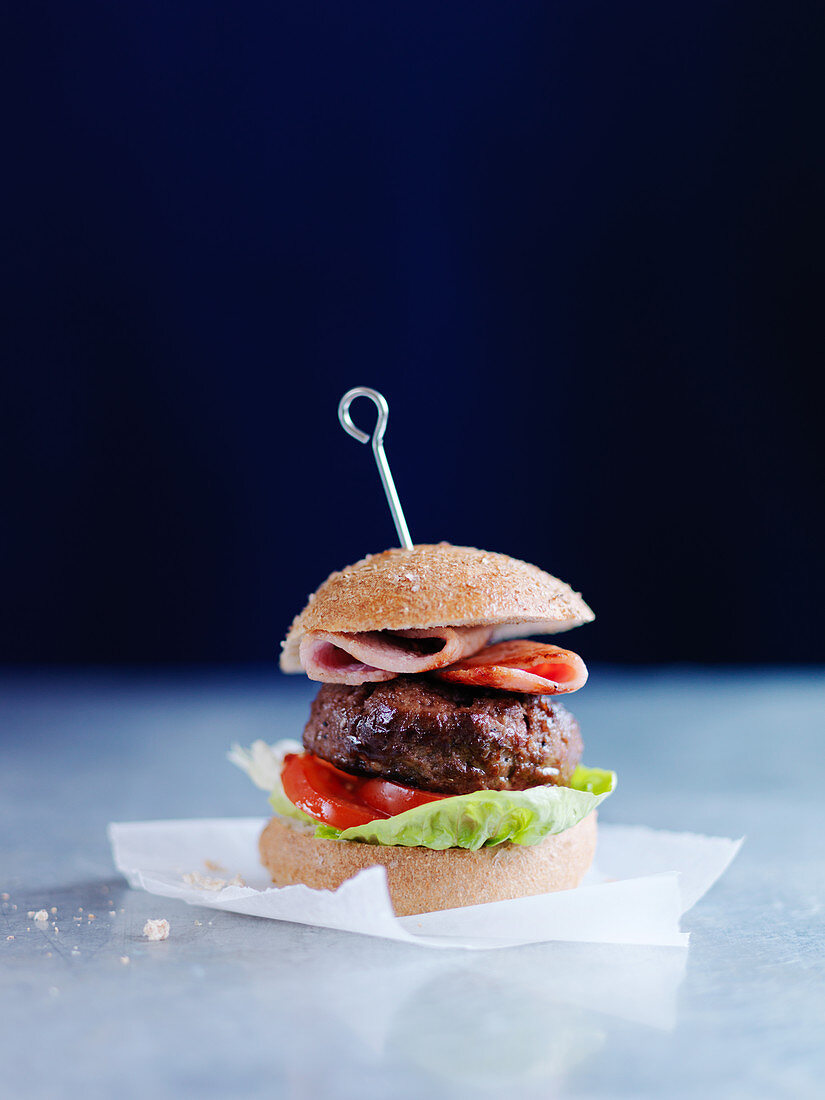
(345,419)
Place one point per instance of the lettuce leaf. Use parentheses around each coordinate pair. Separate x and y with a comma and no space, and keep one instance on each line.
(486,818)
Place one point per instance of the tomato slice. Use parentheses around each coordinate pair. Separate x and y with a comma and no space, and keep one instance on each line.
(319,793)
(394,798)
(343,800)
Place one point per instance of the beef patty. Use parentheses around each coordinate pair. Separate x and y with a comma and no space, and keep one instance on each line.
(444,737)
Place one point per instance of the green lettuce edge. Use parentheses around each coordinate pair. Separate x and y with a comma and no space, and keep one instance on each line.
(484,818)
(281,805)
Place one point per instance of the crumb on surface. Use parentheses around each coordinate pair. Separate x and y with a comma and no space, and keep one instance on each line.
(156,930)
(5,897)
(205,882)
(213,865)
(41,915)
(9,937)
(125,960)
(53,909)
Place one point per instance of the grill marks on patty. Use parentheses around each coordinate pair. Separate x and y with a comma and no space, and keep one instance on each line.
(444,737)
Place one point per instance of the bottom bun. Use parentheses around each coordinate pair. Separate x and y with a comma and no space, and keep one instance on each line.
(420,879)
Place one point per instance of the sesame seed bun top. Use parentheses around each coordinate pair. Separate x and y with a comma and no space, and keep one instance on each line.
(441,585)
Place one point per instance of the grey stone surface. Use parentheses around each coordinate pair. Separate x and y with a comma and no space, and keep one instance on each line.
(231,1006)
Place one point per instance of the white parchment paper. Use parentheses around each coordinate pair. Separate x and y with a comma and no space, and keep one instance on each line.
(644,879)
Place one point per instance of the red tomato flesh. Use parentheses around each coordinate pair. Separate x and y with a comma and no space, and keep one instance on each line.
(343,800)
(393,798)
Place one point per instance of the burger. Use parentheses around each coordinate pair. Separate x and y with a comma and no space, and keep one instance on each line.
(437,746)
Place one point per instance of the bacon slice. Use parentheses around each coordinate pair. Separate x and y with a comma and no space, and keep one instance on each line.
(322,659)
(383,654)
(523,666)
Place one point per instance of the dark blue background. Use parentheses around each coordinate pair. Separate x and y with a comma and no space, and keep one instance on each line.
(579,247)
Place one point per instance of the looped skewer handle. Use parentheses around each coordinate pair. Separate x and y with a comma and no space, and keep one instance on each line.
(345,420)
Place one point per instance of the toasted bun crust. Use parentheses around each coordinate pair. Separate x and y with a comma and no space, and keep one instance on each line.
(421,880)
(441,585)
